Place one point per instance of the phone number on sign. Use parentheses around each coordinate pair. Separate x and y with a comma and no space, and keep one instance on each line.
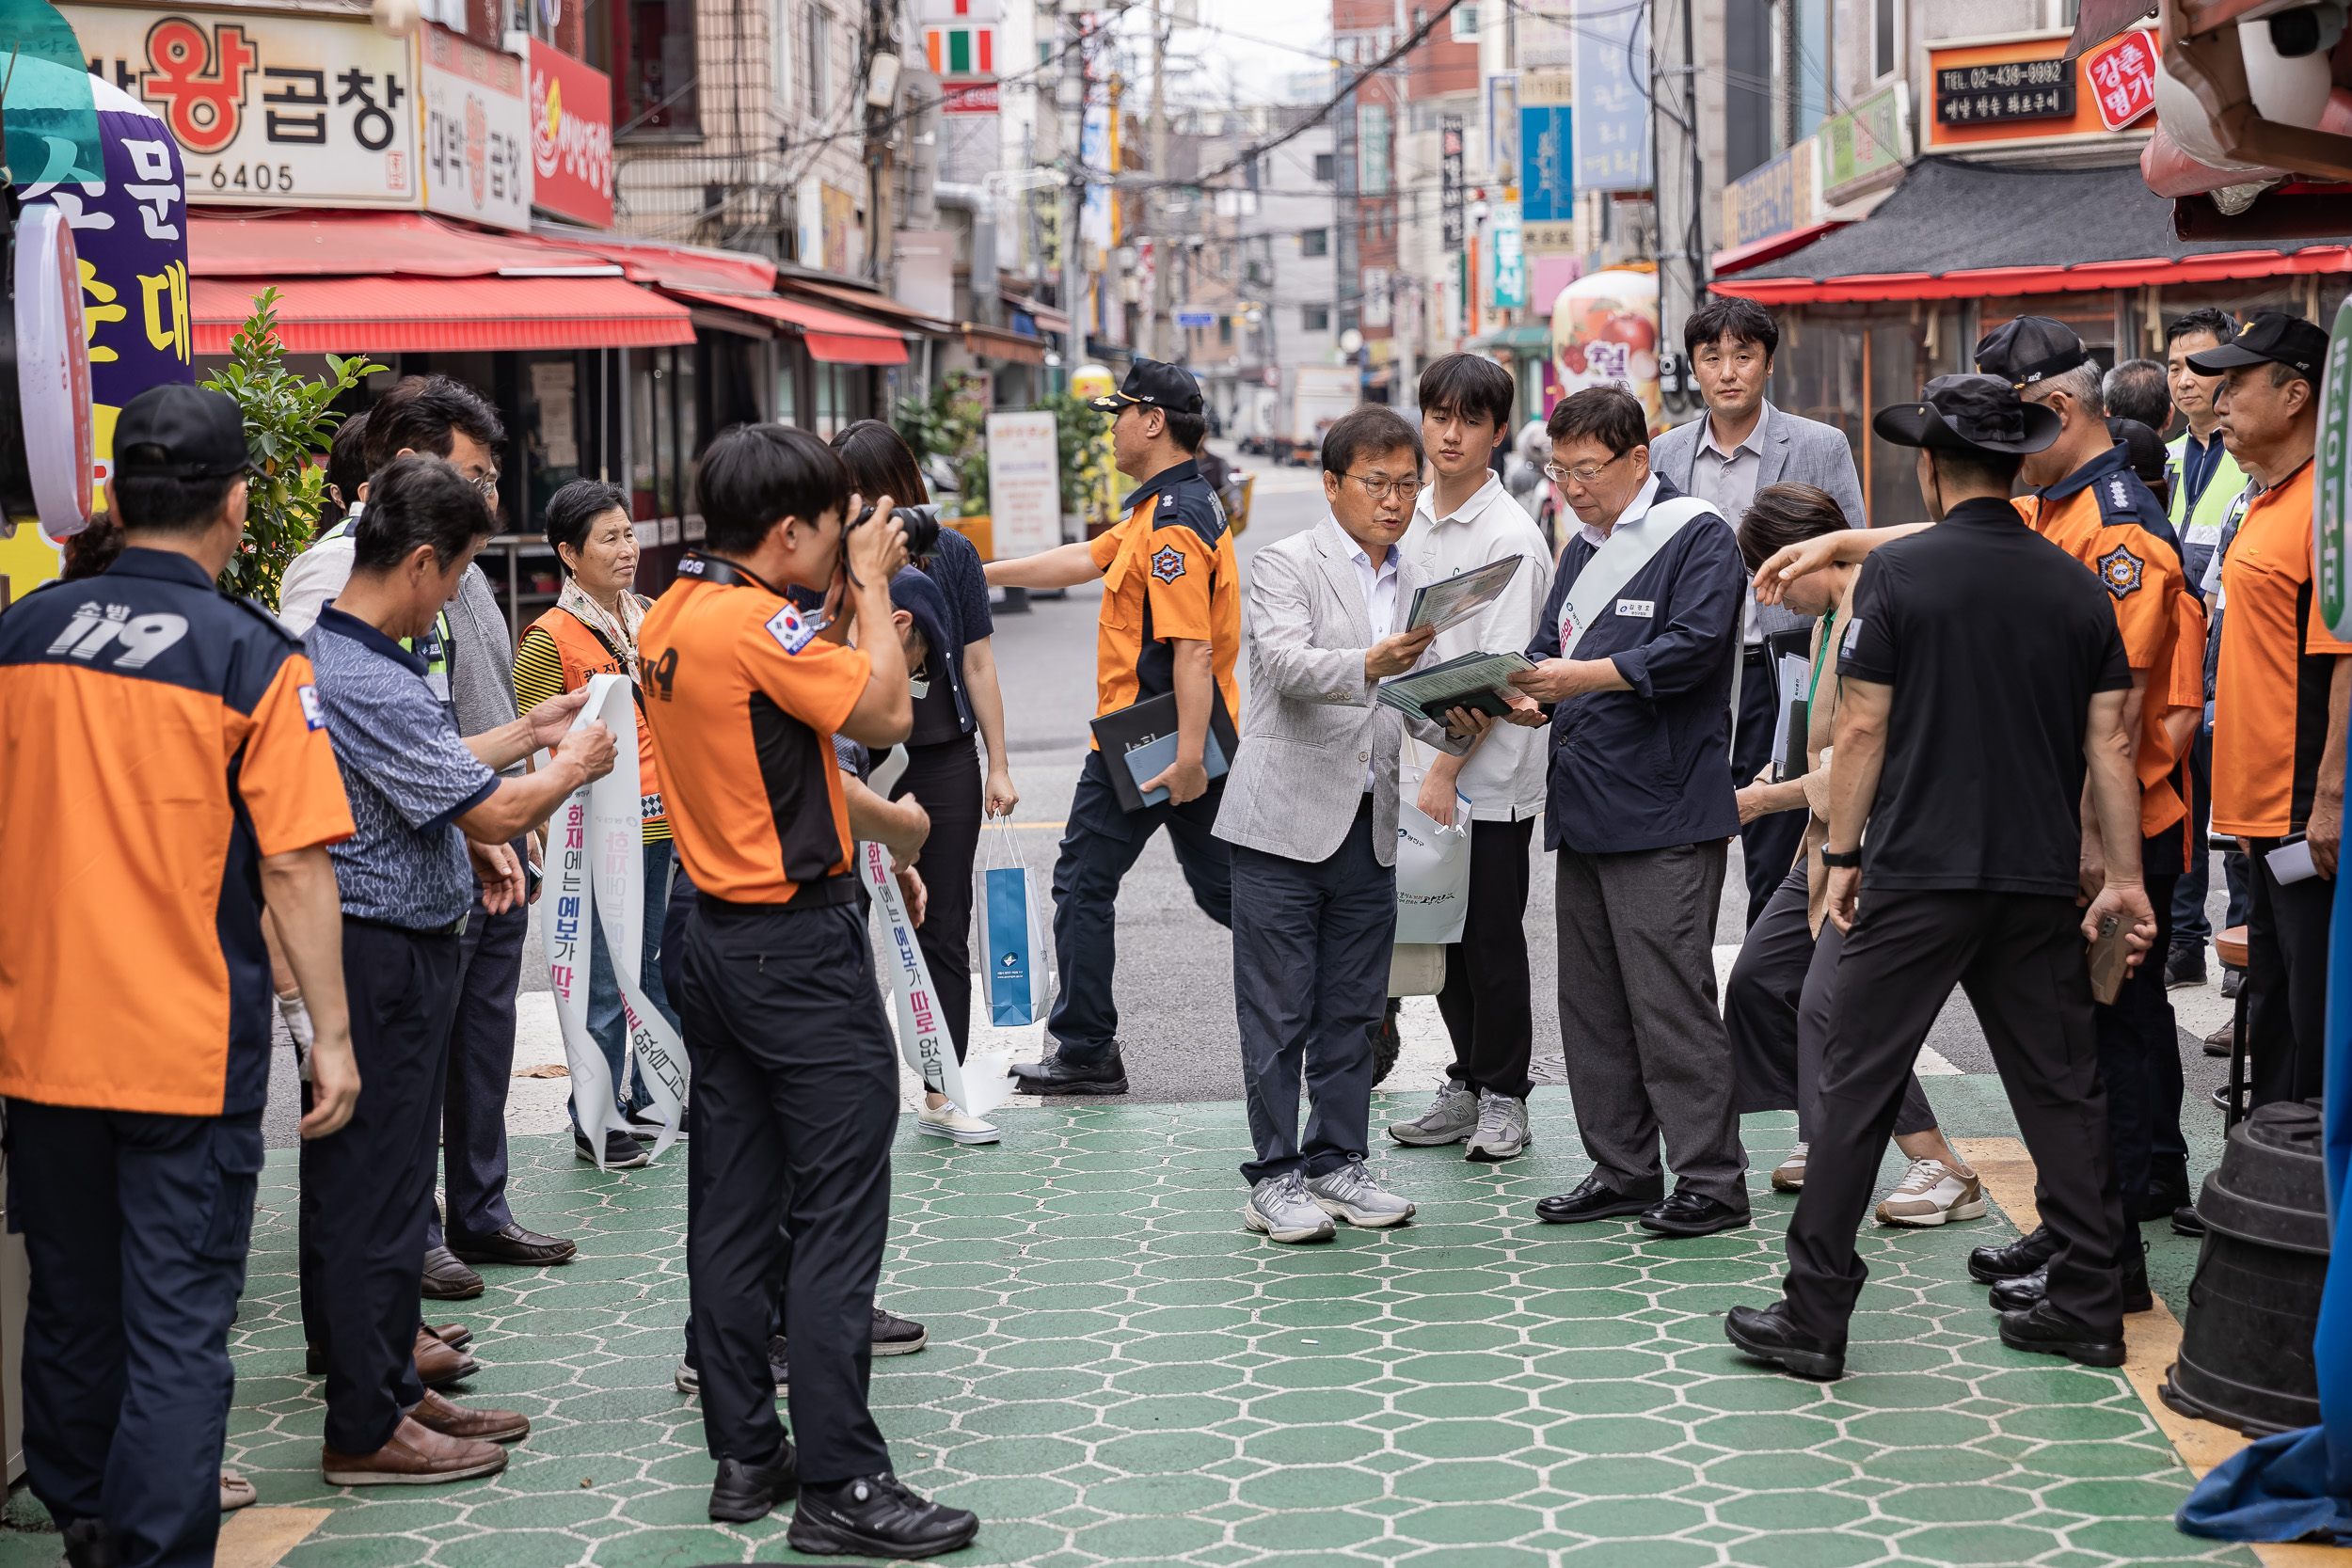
(254,177)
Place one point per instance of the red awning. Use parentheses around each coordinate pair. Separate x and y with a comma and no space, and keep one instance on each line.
(422,315)
(364,244)
(1756,252)
(2226,267)
(832,337)
(673,267)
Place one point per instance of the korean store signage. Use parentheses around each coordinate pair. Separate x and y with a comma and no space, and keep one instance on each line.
(1783,195)
(571,139)
(1868,143)
(2122,73)
(477,132)
(1997,90)
(268,109)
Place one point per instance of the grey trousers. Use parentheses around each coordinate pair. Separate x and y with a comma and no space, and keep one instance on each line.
(1645,1046)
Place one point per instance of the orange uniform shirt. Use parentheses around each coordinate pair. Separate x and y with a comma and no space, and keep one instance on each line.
(558,654)
(1168,572)
(743,698)
(2270,694)
(157,740)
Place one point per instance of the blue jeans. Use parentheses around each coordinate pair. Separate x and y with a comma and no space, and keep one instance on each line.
(607,1025)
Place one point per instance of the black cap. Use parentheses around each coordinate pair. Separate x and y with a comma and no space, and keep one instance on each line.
(1155,382)
(1969,413)
(2144,447)
(2030,349)
(176,431)
(2273,338)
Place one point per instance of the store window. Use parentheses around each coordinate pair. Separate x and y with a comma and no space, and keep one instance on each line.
(1839,364)
(656,86)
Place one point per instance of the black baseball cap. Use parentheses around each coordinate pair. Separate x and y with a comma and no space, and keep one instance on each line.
(2030,349)
(177,431)
(2273,337)
(1154,383)
(1969,413)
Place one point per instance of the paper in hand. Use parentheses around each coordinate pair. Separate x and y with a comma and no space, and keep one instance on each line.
(1448,604)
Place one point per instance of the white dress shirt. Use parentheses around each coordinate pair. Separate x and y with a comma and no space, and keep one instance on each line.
(315,577)
(1379,586)
(1729,480)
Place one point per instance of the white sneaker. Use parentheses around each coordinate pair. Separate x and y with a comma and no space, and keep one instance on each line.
(1350,1194)
(1503,1132)
(1279,1207)
(1931,1193)
(1451,1118)
(1788,1176)
(951,1121)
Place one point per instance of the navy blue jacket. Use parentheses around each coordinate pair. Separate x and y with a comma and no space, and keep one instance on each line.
(2122,498)
(1650,769)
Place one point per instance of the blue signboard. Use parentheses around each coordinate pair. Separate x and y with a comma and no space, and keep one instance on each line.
(1612,96)
(1195,318)
(1547,164)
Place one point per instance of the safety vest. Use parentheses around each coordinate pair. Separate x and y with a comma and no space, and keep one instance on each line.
(2199,527)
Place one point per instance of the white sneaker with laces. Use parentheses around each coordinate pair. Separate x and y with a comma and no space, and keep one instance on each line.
(951,1121)
(1788,1176)
(1451,1118)
(1350,1194)
(1931,1193)
(1279,1207)
(1502,1133)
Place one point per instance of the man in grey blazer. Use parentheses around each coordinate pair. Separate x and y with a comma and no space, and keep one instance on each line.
(1742,445)
(1310,811)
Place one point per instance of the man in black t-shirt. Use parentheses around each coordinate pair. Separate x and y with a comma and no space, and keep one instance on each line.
(1982,677)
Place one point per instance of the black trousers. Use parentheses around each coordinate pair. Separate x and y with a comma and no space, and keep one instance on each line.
(136,1231)
(796,1097)
(1769,843)
(481,1068)
(2020,958)
(1486,1000)
(945,781)
(367,1190)
(2190,926)
(2139,1060)
(1776,1007)
(1097,847)
(2286,980)
(1310,980)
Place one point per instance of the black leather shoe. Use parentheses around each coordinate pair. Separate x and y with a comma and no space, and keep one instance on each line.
(2042,1328)
(514,1244)
(876,1516)
(745,1492)
(2168,1189)
(1989,1265)
(447,1279)
(90,1545)
(1055,1076)
(2185,966)
(1595,1199)
(1689,1213)
(1768,1335)
(2018,1294)
(2186,1221)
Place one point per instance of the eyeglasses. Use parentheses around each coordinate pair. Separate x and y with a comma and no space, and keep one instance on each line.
(1381,489)
(488,485)
(1584,473)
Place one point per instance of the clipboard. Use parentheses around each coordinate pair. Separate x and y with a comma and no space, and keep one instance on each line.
(1448,604)
(1129,737)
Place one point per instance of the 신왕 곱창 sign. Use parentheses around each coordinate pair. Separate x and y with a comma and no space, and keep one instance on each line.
(269,109)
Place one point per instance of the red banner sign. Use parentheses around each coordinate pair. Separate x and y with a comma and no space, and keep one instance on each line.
(968,98)
(571,137)
(2123,75)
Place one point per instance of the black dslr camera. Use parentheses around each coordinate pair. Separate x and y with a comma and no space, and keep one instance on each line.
(921,524)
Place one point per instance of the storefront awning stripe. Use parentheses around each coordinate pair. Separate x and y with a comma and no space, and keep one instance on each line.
(1756,252)
(1973,284)
(359,244)
(809,318)
(832,348)
(424,315)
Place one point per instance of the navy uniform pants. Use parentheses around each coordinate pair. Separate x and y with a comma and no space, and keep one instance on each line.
(1098,847)
(481,1069)
(136,1229)
(2140,1061)
(1769,843)
(367,1190)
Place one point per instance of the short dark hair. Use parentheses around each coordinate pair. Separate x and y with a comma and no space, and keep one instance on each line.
(2136,390)
(93,550)
(423,413)
(882,464)
(1785,514)
(418,500)
(579,504)
(1186,430)
(1989,471)
(1745,319)
(2203,319)
(346,469)
(1469,387)
(162,503)
(1373,429)
(1610,415)
(754,475)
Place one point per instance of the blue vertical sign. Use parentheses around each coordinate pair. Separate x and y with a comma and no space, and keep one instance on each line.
(1547,164)
(1612,96)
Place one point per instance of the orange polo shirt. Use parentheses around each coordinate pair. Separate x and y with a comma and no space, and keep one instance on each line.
(1168,573)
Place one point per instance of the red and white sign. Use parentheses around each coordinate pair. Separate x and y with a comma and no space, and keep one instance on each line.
(967,97)
(475,131)
(2122,78)
(571,137)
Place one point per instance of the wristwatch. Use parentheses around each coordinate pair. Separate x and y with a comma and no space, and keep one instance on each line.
(1841,858)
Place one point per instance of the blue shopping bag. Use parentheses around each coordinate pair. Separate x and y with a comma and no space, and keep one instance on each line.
(1018,977)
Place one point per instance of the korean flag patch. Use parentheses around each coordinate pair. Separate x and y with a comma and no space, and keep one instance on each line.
(1167,564)
(2119,569)
(1854,635)
(791,631)
(314,711)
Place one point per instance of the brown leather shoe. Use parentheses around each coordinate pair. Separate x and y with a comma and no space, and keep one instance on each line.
(416,1456)
(437,1366)
(456,1335)
(438,1414)
(445,1279)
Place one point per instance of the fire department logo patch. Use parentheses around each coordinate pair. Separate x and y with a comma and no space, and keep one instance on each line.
(1167,564)
(2119,569)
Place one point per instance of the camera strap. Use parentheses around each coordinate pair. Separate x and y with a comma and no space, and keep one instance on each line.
(726,574)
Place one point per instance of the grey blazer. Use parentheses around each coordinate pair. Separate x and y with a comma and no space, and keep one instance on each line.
(1795,449)
(1309,724)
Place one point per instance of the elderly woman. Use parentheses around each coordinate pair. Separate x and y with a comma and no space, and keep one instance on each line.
(592,630)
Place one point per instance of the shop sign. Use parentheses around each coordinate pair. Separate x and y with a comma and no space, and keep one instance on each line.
(1024,483)
(1450,207)
(1612,96)
(1999,90)
(969,97)
(960,50)
(1783,195)
(2329,562)
(570,108)
(1870,140)
(1510,264)
(1547,162)
(476,128)
(269,109)
(2122,73)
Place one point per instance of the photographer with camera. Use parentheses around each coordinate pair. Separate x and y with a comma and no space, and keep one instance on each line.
(796,1080)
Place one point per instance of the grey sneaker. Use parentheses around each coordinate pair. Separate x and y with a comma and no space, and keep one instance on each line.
(1451,1118)
(1279,1207)
(1350,1194)
(1503,1132)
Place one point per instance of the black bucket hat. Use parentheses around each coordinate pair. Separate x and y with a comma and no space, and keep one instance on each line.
(1969,413)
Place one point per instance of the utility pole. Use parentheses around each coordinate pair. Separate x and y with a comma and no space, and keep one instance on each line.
(1162,255)
(1072,101)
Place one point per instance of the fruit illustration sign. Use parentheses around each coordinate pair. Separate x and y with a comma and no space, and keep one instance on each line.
(477,132)
(269,109)
(1604,333)
(570,108)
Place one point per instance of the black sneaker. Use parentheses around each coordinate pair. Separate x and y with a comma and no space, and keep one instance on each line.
(876,1516)
(745,1492)
(2046,1330)
(1768,1335)
(647,1131)
(2185,966)
(1055,1076)
(896,1336)
(621,1151)
(2232,981)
